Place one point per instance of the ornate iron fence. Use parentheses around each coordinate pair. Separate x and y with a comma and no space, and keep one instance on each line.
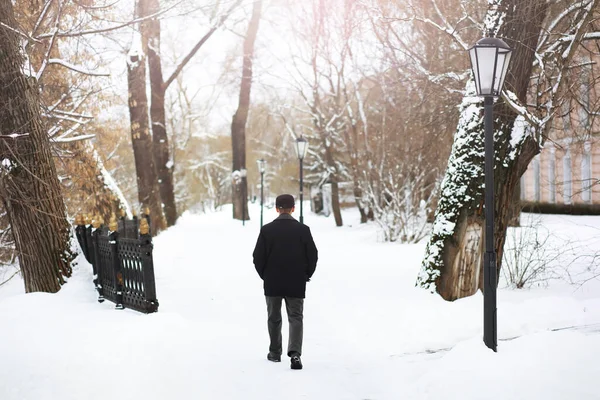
(121,258)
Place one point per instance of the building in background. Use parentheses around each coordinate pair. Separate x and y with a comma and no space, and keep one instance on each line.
(565,176)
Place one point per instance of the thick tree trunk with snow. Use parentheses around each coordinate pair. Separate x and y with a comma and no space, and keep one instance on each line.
(150,30)
(454,256)
(147,181)
(238,124)
(29,186)
(96,187)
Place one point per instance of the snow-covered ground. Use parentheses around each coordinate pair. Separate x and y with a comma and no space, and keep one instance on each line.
(369,333)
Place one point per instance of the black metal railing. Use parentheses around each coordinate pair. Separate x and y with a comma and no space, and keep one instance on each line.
(121,258)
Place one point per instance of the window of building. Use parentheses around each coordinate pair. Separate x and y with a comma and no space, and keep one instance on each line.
(567,178)
(586,173)
(552,176)
(536,178)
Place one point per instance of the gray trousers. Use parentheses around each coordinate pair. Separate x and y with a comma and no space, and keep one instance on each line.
(294,307)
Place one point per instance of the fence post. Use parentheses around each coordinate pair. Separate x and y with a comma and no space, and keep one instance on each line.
(91,253)
(146,214)
(146,248)
(80,231)
(116,265)
(96,261)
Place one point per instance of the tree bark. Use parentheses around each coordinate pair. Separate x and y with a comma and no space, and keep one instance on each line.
(238,124)
(29,186)
(150,30)
(454,256)
(147,179)
(352,144)
(95,189)
(515,211)
(335,190)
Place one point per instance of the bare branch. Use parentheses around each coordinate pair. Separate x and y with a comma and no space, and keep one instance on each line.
(514,103)
(107,29)
(41,17)
(12,276)
(200,43)
(50,45)
(64,139)
(23,35)
(557,20)
(75,67)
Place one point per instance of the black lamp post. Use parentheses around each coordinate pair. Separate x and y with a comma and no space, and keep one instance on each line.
(489,59)
(261,168)
(301,147)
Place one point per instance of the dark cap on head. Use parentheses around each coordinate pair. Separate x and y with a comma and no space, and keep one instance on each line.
(284,201)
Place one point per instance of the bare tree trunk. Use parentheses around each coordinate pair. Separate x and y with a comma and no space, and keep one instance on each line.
(335,202)
(29,186)
(335,191)
(147,181)
(352,143)
(150,30)
(453,263)
(364,216)
(514,220)
(238,124)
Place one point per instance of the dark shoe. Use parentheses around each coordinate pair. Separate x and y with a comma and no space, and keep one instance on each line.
(296,363)
(274,357)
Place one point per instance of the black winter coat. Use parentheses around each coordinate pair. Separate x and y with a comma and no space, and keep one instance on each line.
(285,257)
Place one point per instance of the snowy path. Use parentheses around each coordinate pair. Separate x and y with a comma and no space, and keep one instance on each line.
(367,330)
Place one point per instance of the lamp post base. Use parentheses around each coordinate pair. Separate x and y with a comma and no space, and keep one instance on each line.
(490,312)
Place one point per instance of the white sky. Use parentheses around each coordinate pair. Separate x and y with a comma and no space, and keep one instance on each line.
(217,92)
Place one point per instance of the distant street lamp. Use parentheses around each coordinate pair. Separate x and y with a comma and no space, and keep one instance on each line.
(261,168)
(301,147)
(489,60)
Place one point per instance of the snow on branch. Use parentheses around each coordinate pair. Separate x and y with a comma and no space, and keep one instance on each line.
(18,32)
(514,103)
(13,135)
(216,162)
(568,40)
(47,56)
(450,31)
(578,36)
(571,49)
(64,139)
(42,16)
(106,29)
(75,68)
(73,114)
(558,19)
(64,118)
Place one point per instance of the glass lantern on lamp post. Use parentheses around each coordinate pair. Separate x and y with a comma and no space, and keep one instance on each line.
(490,58)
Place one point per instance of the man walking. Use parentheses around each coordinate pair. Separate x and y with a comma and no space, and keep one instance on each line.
(285,258)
